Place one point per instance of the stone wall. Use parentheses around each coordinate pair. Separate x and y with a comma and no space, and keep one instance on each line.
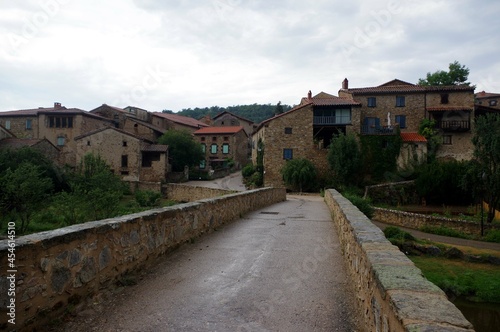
(68,265)
(417,221)
(185,193)
(396,193)
(391,292)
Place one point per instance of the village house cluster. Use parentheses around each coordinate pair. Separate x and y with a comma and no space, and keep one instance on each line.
(127,138)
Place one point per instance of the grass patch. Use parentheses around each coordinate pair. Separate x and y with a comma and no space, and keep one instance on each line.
(474,281)
(445,231)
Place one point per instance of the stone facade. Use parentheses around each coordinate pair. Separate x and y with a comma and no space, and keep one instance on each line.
(228,119)
(126,154)
(391,292)
(171,121)
(222,143)
(69,265)
(143,129)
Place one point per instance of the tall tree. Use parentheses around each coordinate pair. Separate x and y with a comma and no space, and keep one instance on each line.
(486,142)
(457,74)
(279,108)
(299,173)
(344,158)
(182,148)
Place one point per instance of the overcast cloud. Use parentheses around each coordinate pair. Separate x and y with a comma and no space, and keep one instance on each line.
(179,54)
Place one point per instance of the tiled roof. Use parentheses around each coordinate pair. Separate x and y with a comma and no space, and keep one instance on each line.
(184,120)
(154,148)
(236,116)
(148,125)
(17,143)
(398,86)
(413,137)
(484,94)
(218,130)
(296,108)
(450,109)
(51,111)
(93,132)
(326,99)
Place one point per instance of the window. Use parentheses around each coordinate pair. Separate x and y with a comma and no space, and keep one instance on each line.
(225,148)
(288,130)
(88,143)
(60,122)
(28,124)
(7,124)
(493,103)
(214,139)
(226,138)
(125,161)
(213,148)
(447,140)
(287,154)
(444,98)
(203,148)
(372,102)
(401,120)
(400,101)
(343,116)
(202,164)
(60,141)
(124,143)
(203,139)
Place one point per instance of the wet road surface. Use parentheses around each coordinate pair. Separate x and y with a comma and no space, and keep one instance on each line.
(276,269)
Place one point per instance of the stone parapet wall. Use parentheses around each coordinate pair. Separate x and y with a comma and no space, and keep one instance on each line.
(417,221)
(68,265)
(391,292)
(185,193)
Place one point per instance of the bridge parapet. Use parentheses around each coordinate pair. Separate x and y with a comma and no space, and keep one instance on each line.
(392,294)
(59,269)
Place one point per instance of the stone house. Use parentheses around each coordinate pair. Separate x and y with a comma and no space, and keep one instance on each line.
(135,159)
(305,131)
(44,146)
(138,113)
(228,119)
(171,121)
(58,124)
(413,151)
(486,102)
(405,105)
(220,144)
(5,133)
(143,129)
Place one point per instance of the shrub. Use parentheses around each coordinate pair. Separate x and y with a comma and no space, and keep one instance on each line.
(248,170)
(396,233)
(493,236)
(364,205)
(147,198)
(257,179)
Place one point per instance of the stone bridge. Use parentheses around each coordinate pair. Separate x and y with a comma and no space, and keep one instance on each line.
(270,263)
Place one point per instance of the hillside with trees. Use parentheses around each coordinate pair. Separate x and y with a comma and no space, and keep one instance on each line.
(255,112)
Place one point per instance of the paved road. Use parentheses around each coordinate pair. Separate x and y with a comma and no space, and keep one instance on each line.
(232,182)
(276,269)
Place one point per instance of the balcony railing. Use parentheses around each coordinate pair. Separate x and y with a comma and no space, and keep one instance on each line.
(331,120)
(377,130)
(454,125)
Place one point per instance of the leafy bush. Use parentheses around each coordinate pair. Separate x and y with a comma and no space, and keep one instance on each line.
(299,174)
(493,236)
(248,170)
(257,179)
(396,233)
(445,231)
(364,205)
(147,198)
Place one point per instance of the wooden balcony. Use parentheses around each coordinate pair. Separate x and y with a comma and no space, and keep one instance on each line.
(331,120)
(454,125)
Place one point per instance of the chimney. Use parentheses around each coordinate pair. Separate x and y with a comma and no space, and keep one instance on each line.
(345,84)
(309,95)
(57,106)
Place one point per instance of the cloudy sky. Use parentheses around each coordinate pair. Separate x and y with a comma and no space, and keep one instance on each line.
(188,53)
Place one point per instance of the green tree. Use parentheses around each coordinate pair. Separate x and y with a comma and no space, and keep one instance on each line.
(99,189)
(344,158)
(182,148)
(24,190)
(427,128)
(457,74)
(486,142)
(299,173)
(279,108)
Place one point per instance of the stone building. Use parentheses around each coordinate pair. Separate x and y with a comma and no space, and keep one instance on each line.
(171,121)
(405,105)
(143,129)
(486,102)
(43,146)
(413,151)
(133,158)
(225,119)
(221,144)
(58,124)
(303,132)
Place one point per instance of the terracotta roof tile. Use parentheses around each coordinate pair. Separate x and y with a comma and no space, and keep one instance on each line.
(218,130)
(398,86)
(185,120)
(484,94)
(326,99)
(413,137)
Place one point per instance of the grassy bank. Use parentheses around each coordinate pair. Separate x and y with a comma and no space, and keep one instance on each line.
(474,281)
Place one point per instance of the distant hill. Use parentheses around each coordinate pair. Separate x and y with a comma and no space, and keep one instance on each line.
(256,112)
